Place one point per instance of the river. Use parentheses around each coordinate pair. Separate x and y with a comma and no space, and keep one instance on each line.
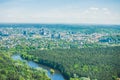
(56,76)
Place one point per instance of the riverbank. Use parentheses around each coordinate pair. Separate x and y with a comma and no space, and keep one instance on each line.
(55,76)
(18,70)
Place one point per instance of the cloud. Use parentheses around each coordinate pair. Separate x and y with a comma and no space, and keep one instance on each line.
(59,15)
(105,9)
(95,12)
(94,8)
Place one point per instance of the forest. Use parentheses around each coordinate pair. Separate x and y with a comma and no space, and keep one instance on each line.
(78,52)
(94,63)
(17,70)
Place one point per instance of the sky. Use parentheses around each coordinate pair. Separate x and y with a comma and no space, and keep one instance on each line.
(60,11)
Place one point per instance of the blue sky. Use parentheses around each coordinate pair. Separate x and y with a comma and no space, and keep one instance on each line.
(60,11)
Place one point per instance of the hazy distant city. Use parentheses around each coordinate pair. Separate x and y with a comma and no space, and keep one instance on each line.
(45,37)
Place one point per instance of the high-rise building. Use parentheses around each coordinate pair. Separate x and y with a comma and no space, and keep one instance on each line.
(0,33)
(52,36)
(24,33)
(59,36)
(41,32)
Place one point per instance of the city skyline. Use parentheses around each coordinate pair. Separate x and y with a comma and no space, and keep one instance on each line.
(60,11)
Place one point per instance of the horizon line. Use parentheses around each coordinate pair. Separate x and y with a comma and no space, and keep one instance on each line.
(59,23)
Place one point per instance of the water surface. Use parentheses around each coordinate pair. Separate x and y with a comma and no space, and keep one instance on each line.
(56,76)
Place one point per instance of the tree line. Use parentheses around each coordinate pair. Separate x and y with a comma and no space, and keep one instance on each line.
(95,63)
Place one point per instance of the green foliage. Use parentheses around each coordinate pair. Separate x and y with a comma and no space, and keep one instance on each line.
(16,70)
(82,78)
(85,68)
(52,71)
(97,63)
